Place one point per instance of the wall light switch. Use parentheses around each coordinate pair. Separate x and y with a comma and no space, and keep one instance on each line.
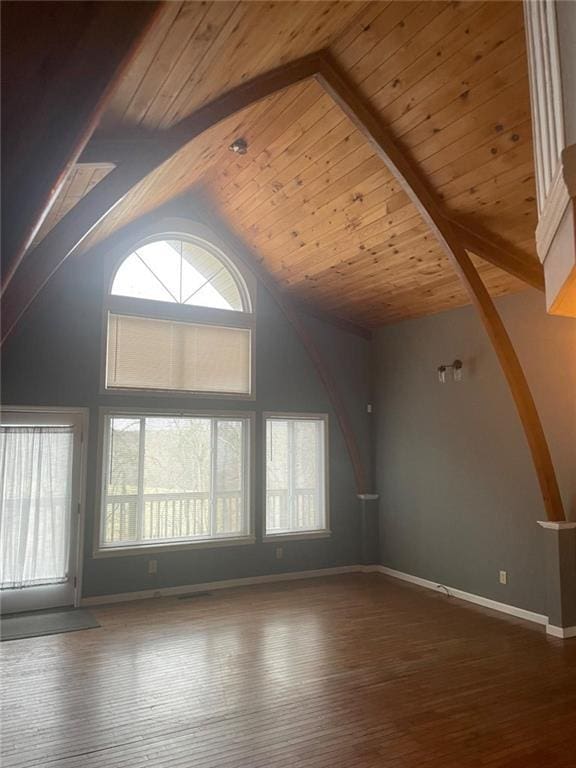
(279,553)
(152,567)
(503,577)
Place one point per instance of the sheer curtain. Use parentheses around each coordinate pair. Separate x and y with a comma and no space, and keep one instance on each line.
(35,498)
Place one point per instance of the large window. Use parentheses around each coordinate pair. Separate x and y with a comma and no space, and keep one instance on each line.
(174,479)
(295,475)
(179,319)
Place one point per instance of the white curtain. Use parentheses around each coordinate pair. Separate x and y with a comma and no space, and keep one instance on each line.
(35,498)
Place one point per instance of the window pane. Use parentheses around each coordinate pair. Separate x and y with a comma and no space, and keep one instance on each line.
(207,281)
(163,260)
(177,472)
(133,278)
(124,449)
(307,484)
(229,478)
(121,504)
(145,353)
(193,482)
(179,271)
(277,483)
(35,501)
(295,475)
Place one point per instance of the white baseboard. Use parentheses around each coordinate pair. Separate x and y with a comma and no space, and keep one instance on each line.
(512,610)
(210,586)
(563,632)
(187,589)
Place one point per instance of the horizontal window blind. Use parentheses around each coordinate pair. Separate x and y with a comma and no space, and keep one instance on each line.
(295,475)
(174,479)
(146,353)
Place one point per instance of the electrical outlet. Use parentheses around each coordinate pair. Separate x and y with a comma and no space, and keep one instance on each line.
(503,577)
(152,567)
(279,553)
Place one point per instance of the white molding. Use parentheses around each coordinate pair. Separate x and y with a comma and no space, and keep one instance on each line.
(211,586)
(562,632)
(564,525)
(512,610)
(368,496)
(188,589)
(553,210)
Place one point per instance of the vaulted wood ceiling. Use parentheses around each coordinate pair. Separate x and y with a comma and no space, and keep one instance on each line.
(311,199)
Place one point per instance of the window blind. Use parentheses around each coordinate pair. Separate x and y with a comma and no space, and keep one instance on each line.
(146,353)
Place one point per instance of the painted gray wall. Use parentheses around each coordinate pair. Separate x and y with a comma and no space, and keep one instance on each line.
(459,496)
(54,359)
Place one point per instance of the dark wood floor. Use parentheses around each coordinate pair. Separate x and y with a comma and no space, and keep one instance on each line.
(345,671)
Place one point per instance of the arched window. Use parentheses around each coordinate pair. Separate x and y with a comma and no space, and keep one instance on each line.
(180,272)
(180,319)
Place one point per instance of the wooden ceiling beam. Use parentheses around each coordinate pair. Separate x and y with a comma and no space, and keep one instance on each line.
(41,263)
(58,79)
(530,272)
(370,125)
(66,236)
(121,148)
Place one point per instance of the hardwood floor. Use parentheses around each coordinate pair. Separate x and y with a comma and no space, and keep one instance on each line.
(354,670)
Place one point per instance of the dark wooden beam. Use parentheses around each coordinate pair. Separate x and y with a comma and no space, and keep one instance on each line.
(74,227)
(70,231)
(60,62)
(370,125)
(504,257)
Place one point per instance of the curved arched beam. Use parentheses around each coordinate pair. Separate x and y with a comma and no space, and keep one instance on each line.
(60,111)
(78,223)
(41,263)
(384,146)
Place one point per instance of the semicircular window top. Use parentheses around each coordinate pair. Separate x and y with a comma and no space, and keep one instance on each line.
(180,319)
(180,272)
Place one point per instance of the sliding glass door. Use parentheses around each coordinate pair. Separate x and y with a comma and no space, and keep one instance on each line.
(40,482)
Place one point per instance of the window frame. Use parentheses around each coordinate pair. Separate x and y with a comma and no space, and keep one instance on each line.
(320,533)
(102,551)
(178,229)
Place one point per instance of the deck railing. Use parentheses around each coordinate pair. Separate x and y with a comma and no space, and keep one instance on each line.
(282,515)
(172,516)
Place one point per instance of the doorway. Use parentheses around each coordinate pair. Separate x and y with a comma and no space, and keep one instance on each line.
(41,482)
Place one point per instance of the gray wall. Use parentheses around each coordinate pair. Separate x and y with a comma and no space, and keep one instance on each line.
(54,359)
(459,496)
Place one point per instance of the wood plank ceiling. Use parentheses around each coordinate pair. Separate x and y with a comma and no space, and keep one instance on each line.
(310,198)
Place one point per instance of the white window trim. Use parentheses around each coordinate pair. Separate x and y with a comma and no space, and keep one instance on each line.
(100,551)
(49,415)
(178,228)
(319,533)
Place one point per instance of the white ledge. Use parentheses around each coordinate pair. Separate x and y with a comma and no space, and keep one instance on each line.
(368,496)
(564,525)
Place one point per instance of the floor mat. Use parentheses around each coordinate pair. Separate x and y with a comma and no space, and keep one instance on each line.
(40,623)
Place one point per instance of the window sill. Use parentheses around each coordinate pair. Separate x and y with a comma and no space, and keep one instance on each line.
(296,536)
(145,549)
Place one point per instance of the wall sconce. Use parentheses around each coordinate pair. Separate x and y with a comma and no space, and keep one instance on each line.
(456,369)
